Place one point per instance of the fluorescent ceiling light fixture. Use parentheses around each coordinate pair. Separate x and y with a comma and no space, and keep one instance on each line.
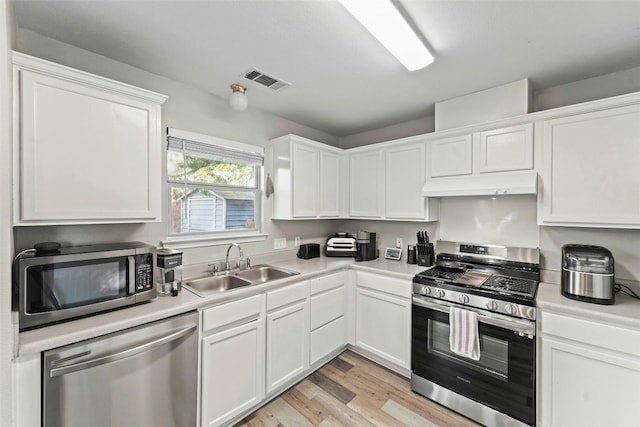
(384,22)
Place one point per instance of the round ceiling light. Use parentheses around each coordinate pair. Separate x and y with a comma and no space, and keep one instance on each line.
(238,99)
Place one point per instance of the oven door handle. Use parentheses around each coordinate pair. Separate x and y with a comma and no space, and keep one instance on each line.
(520,326)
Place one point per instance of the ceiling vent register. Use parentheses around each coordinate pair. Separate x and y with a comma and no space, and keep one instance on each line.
(264,79)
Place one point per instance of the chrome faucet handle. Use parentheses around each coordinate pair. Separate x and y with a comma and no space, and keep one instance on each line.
(214,268)
(248,263)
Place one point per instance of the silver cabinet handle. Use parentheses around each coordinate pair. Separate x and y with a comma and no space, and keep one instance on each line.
(110,358)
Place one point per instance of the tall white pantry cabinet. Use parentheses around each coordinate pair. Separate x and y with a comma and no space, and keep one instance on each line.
(86,149)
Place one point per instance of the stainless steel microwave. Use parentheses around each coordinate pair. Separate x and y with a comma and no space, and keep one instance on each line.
(64,283)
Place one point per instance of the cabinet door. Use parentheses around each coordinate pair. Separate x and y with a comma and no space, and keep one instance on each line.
(232,372)
(287,344)
(405,167)
(591,174)
(365,190)
(98,159)
(327,339)
(450,156)
(508,149)
(329,183)
(304,180)
(383,326)
(587,386)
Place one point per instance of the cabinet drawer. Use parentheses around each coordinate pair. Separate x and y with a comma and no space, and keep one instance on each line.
(389,285)
(322,284)
(226,314)
(326,339)
(287,295)
(327,306)
(606,336)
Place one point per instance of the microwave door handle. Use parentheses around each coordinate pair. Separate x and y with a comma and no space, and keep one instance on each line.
(515,325)
(131,268)
(129,352)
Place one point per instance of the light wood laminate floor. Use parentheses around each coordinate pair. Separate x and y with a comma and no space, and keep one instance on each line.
(353,391)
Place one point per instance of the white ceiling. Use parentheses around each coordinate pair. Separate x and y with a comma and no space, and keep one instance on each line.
(343,81)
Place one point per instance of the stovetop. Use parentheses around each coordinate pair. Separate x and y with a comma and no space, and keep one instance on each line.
(502,278)
(483,280)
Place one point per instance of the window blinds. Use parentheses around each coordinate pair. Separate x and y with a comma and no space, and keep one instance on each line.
(215,148)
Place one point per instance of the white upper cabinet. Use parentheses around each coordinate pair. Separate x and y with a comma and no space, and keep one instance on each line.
(591,175)
(494,161)
(405,174)
(329,193)
(366,184)
(503,150)
(306,178)
(451,156)
(386,181)
(86,149)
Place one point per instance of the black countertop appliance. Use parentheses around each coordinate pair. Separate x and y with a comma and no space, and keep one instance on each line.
(366,246)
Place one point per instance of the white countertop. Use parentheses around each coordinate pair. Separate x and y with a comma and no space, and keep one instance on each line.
(45,338)
(625,312)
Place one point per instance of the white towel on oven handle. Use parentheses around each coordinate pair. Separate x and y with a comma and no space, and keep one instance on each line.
(464,339)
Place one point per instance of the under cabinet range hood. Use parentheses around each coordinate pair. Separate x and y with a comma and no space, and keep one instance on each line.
(482,185)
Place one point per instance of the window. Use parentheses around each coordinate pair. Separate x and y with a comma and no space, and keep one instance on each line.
(214,186)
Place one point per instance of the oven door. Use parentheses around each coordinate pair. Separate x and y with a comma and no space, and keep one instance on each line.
(504,377)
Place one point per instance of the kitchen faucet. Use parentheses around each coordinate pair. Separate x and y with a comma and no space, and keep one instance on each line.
(226,263)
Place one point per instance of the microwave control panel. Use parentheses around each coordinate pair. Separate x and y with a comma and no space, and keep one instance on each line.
(144,272)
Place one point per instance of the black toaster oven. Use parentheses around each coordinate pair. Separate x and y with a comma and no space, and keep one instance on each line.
(309,250)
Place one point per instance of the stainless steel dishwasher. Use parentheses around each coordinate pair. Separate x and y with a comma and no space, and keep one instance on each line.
(144,376)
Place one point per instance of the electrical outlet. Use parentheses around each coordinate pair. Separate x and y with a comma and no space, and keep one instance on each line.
(280,243)
(297,241)
(398,242)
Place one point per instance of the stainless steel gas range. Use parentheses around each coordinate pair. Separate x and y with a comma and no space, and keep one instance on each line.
(497,284)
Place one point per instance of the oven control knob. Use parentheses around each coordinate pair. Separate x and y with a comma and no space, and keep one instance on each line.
(427,290)
(510,308)
(531,313)
(440,293)
(463,299)
(492,305)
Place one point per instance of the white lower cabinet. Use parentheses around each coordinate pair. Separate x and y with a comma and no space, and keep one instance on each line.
(233,357)
(328,307)
(258,346)
(589,373)
(383,318)
(287,334)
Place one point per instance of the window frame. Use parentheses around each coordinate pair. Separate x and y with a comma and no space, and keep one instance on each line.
(207,238)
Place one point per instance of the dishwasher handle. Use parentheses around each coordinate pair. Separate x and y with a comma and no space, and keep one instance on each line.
(110,358)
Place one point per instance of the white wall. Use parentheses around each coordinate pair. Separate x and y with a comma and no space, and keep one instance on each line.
(410,128)
(599,87)
(6,250)
(388,231)
(187,108)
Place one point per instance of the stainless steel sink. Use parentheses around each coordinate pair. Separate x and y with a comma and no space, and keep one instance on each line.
(255,275)
(264,273)
(212,284)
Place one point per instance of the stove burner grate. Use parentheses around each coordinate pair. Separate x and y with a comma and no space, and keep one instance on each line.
(511,284)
